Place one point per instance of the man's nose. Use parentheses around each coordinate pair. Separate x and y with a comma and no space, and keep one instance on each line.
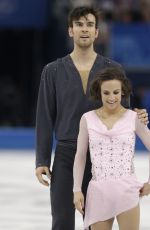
(84,27)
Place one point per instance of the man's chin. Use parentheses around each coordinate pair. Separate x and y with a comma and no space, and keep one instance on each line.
(85,45)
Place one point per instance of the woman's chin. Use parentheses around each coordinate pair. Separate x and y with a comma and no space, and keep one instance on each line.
(112,107)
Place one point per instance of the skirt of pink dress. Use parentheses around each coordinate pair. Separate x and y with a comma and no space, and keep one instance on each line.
(108,198)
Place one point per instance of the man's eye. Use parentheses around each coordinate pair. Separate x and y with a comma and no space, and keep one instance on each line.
(79,24)
(90,25)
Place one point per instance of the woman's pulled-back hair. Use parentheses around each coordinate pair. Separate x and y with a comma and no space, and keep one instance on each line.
(110,73)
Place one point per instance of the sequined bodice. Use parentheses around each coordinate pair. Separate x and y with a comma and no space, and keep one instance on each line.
(112,151)
(112,156)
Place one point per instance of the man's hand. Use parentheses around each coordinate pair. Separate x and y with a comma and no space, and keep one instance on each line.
(79,201)
(40,171)
(142,115)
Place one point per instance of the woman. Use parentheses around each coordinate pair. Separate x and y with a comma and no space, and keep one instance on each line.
(110,131)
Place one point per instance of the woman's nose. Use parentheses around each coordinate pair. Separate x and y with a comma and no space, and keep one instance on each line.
(112,97)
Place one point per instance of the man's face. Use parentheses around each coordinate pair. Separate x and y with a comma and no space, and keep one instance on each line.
(84,31)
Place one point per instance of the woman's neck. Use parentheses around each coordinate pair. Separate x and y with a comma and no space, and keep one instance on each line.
(107,112)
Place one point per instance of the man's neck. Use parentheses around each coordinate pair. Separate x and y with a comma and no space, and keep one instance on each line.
(83,55)
(80,54)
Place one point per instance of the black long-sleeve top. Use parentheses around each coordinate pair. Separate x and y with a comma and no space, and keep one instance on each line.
(61,103)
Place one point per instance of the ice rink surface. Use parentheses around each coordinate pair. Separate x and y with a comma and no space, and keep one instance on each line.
(24,203)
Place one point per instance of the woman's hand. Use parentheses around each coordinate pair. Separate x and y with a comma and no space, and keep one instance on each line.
(145,190)
(79,201)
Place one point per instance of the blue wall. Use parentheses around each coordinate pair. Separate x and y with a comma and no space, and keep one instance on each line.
(24,138)
(24,13)
(17,138)
(129,45)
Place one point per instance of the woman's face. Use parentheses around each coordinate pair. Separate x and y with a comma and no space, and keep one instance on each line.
(111,92)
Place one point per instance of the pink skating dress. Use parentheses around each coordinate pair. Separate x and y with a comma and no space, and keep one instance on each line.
(114,187)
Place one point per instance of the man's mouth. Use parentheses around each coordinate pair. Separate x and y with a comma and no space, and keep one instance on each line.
(84,37)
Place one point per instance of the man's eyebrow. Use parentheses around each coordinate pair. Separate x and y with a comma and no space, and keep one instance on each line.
(78,21)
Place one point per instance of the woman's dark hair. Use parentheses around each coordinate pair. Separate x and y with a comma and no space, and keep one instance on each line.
(82,11)
(110,73)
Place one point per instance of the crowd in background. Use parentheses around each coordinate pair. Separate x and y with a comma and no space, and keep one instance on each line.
(113,10)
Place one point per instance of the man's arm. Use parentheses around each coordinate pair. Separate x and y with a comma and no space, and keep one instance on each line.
(45,119)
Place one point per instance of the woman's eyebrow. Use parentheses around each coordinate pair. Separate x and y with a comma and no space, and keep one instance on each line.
(114,89)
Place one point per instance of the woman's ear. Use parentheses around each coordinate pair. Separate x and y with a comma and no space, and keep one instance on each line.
(122,94)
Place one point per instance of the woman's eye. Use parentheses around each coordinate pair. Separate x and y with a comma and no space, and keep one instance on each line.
(106,93)
(116,93)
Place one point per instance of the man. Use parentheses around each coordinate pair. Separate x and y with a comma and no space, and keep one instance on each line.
(63,98)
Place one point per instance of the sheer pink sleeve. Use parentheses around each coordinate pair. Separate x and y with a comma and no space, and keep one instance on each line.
(144,134)
(80,157)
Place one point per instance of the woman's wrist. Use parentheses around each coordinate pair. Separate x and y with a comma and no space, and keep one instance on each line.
(77,190)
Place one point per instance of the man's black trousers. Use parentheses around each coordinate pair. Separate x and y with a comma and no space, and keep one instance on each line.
(63,212)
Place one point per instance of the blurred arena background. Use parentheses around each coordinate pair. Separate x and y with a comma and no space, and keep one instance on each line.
(33,33)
